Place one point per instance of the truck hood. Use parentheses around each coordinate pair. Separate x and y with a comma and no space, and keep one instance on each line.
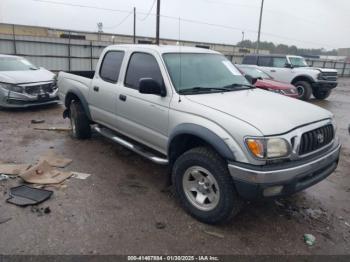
(323,70)
(269,83)
(22,77)
(270,113)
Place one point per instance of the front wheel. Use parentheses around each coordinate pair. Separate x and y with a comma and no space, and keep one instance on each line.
(321,94)
(204,186)
(304,90)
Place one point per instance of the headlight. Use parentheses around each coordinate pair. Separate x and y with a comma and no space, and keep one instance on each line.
(12,87)
(267,148)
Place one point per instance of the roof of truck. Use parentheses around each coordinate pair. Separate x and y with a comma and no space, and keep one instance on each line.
(1,55)
(163,48)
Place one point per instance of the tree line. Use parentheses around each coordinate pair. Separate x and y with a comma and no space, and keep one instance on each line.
(286,49)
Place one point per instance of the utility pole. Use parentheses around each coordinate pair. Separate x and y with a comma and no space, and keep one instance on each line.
(261,12)
(242,37)
(157,25)
(134,38)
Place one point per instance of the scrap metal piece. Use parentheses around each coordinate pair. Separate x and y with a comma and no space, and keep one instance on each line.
(25,195)
(79,175)
(53,128)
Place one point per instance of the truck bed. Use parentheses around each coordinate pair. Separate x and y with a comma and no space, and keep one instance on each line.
(87,74)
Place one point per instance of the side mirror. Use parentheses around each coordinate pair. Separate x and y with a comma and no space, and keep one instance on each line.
(250,79)
(288,65)
(150,86)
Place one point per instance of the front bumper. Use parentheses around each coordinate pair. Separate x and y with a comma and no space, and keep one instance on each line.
(10,99)
(325,85)
(253,181)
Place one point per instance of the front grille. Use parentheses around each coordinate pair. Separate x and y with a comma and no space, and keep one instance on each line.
(39,89)
(329,76)
(315,139)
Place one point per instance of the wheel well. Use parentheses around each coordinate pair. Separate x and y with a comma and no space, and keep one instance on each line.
(302,78)
(182,143)
(69,98)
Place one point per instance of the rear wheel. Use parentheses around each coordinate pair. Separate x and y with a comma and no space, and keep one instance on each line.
(80,123)
(204,186)
(304,90)
(321,94)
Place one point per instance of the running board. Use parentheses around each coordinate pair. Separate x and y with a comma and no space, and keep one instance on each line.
(133,147)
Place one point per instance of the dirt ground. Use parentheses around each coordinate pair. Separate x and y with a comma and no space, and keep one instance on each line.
(119,208)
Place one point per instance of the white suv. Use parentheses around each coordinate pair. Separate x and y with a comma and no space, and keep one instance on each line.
(295,70)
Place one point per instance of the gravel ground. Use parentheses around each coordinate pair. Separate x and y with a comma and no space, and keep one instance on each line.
(123,207)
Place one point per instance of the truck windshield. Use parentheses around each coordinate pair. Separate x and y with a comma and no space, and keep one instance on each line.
(298,61)
(15,64)
(201,72)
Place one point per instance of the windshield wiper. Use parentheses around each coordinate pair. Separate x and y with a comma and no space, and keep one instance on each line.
(235,85)
(33,68)
(199,89)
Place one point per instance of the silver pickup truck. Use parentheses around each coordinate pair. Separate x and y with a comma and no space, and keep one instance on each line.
(223,140)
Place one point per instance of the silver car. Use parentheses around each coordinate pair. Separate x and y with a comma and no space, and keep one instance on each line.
(23,84)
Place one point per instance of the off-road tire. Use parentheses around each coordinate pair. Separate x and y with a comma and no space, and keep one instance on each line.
(229,203)
(304,90)
(80,123)
(321,94)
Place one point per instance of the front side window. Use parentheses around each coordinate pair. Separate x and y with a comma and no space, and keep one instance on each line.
(279,62)
(16,64)
(142,65)
(202,70)
(111,64)
(298,61)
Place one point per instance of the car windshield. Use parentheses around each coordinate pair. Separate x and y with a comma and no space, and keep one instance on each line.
(298,61)
(202,72)
(15,64)
(254,72)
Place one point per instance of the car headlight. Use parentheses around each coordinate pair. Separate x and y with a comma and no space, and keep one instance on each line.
(12,87)
(267,148)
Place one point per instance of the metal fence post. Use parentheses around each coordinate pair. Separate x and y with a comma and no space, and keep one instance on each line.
(343,71)
(69,65)
(14,39)
(91,53)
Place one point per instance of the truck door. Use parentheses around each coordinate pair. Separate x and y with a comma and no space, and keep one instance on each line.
(103,92)
(276,67)
(144,117)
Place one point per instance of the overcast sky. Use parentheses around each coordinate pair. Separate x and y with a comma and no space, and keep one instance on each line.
(305,23)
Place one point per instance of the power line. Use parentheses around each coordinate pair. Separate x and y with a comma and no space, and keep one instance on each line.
(149,12)
(184,20)
(121,22)
(82,6)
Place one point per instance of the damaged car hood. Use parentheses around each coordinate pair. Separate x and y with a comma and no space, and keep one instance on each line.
(269,112)
(27,76)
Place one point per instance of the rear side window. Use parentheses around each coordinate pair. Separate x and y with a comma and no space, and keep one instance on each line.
(265,61)
(250,60)
(279,62)
(142,65)
(111,64)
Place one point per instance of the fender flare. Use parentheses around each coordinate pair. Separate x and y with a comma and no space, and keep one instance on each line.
(304,76)
(204,133)
(82,99)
